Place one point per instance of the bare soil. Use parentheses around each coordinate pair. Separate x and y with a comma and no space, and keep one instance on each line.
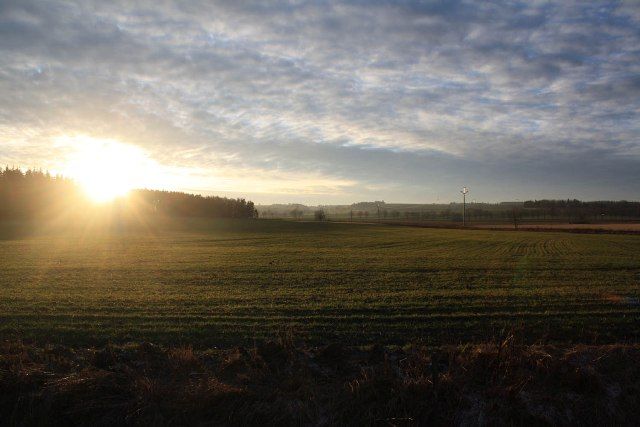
(623,228)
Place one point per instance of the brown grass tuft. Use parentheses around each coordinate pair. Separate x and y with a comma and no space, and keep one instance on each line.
(276,383)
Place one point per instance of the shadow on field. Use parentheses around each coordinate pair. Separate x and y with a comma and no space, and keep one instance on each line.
(279,383)
(21,229)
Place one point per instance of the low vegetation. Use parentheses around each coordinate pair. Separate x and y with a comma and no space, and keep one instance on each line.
(172,322)
(280,383)
(231,282)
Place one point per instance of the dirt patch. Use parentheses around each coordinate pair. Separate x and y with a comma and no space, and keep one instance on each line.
(617,228)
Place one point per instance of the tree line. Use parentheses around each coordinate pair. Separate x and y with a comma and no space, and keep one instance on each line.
(577,209)
(570,210)
(173,203)
(33,194)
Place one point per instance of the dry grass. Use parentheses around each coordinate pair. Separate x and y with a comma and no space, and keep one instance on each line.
(279,383)
(610,228)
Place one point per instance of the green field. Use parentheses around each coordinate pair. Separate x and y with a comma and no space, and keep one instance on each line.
(233,282)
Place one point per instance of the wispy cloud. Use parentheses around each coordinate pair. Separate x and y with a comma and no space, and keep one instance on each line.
(393,100)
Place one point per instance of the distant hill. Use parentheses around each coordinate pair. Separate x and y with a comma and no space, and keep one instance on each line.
(569,210)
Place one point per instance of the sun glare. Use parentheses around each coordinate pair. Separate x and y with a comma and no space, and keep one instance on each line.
(107,169)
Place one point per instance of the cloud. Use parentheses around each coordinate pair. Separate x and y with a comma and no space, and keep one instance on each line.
(405,98)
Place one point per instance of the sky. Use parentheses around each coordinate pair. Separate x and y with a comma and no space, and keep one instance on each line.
(329,102)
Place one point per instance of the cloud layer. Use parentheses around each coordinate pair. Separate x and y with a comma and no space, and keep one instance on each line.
(336,102)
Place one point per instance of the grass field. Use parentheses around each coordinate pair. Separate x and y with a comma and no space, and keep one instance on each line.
(226,283)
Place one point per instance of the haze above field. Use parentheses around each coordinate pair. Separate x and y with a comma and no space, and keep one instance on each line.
(326,103)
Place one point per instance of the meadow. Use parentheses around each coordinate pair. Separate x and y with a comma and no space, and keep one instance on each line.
(237,282)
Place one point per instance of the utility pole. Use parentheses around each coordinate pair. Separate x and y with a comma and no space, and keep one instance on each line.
(464,192)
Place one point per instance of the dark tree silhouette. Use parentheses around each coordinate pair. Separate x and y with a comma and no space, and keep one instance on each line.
(32,194)
(37,194)
(177,204)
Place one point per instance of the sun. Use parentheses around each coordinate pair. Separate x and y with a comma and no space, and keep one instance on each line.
(106,169)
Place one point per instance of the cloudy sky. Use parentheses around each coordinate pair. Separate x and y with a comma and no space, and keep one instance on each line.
(332,102)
